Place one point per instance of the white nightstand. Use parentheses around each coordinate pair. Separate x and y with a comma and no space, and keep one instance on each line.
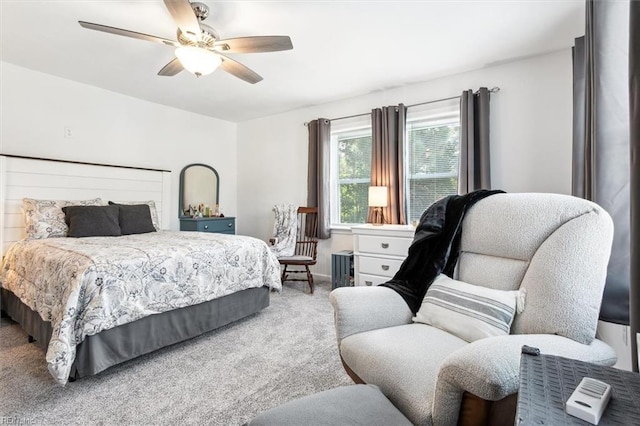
(378,251)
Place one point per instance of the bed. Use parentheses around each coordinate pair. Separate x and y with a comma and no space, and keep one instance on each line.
(95,302)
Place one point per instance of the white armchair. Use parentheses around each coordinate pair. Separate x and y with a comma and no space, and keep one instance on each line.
(555,246)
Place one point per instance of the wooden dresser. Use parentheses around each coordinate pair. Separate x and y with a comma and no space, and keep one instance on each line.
(220,225)
(378,251)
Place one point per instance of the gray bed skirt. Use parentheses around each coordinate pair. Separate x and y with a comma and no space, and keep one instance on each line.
(110,347)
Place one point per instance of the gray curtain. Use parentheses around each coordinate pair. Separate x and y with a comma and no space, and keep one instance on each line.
(582,148)
(634,116)
(601,137)
(475,169)
(318,174)
(388,128)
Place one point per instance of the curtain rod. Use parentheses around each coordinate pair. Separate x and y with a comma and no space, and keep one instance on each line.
(433,102)
(492,90)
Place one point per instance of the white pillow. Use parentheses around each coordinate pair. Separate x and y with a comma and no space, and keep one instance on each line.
(469,311)
(45,218)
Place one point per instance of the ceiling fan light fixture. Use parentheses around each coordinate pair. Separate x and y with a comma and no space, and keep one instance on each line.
(198,60)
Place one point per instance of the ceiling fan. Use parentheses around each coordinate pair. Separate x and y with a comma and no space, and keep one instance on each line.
(199,48)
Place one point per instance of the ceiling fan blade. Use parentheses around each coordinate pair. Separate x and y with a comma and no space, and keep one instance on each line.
(236,69)
(171,69)
(186,20)
(127,33)
(254,44)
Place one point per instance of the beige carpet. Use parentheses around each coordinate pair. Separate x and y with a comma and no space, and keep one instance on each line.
(224,377)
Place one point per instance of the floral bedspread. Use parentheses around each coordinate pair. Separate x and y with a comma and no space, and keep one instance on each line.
(86,285)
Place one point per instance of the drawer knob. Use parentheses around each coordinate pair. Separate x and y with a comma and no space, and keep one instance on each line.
(385,267)
(206,227)
(368,282)
(230,224)
(385,245)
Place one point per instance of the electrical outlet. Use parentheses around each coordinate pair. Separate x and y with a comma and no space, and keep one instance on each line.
(68,133)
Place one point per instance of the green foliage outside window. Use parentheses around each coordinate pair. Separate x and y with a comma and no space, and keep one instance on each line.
(354,175)
(354,202)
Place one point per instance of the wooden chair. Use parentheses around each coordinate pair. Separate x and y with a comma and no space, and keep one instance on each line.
(306,247)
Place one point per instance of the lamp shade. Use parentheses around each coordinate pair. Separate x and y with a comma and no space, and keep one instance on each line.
(378,196)
(198,60)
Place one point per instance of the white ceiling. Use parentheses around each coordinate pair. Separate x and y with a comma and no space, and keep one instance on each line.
(341,49)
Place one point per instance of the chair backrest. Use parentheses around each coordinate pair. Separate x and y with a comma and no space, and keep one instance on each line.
(554,246)
(307,233)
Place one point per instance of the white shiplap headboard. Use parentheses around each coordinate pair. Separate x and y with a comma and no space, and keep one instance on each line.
(22,177)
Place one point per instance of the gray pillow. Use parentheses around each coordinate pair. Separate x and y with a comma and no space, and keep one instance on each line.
(92,221)
(134,218)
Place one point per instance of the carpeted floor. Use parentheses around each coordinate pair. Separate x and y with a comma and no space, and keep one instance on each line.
(224,377)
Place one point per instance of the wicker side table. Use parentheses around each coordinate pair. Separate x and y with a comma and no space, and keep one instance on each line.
(546,382)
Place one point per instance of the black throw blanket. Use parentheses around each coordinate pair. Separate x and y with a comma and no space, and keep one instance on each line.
(435,247)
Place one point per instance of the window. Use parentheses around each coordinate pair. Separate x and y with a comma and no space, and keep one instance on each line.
(431,166)
(351,171)
(432,150)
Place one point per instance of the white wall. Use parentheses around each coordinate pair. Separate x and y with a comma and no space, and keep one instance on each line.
(108,127)
(530,139)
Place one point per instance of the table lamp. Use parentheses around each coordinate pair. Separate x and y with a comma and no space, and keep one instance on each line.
(378,200)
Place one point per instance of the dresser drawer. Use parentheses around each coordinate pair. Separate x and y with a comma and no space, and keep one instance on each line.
(225,225)
(378,266)
(370,280)
(379,244)
(217,225)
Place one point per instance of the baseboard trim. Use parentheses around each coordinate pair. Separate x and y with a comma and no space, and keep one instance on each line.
(321,276)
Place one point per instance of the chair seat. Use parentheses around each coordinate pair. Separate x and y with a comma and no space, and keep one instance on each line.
(297,258)
(390,357)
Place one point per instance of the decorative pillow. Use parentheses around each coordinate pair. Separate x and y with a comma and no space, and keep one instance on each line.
(45,219)
(92,221)
(152,209)
(134,218)
(469,311)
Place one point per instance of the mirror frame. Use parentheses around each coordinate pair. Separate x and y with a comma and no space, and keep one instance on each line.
(181,191)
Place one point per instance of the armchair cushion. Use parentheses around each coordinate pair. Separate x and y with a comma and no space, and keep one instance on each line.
(403,361)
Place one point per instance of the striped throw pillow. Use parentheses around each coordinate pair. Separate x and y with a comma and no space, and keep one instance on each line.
(469,311)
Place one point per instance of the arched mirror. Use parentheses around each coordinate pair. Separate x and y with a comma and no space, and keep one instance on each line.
(199,184)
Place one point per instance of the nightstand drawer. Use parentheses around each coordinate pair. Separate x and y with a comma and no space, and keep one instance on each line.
(378,266)
(370,280)
(379,244)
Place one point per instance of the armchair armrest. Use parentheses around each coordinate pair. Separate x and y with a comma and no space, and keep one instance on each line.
(490,368)
(359,309)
